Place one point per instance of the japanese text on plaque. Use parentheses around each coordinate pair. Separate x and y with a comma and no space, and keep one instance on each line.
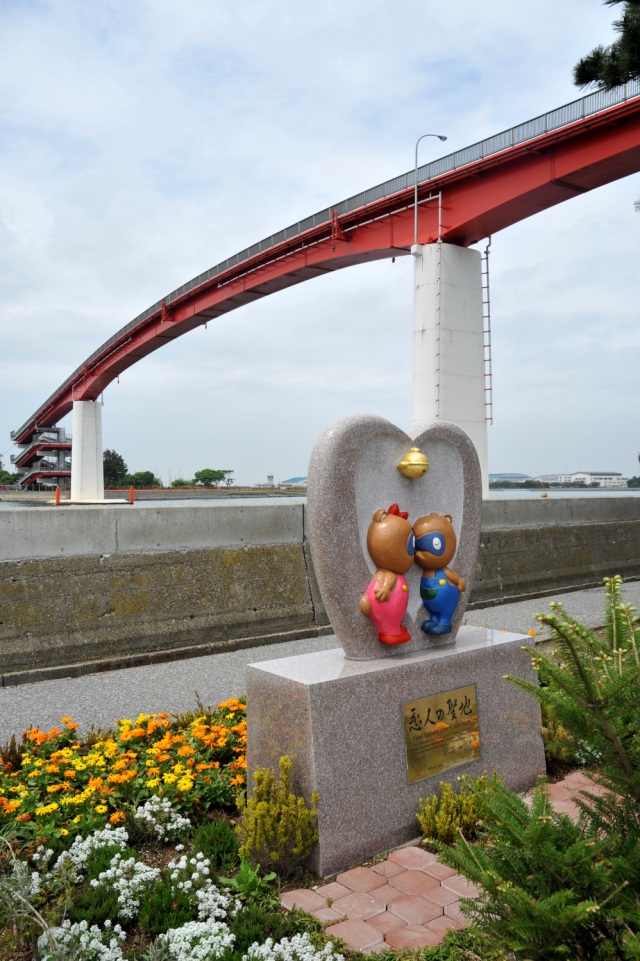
(441,732)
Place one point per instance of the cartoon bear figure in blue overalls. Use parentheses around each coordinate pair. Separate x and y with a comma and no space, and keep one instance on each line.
(440,586)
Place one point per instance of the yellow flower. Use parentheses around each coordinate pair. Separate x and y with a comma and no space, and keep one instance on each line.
(169,778)
(47,809)
(154,782)
(185,784)
(101,808)
(63,832)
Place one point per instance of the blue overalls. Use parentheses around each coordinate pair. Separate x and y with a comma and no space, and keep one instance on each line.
(440,598)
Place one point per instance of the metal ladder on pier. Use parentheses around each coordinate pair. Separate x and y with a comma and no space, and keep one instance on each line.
(486,324)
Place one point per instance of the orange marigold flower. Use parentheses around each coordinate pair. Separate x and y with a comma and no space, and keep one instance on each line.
(121,778)
(117,817)
(120,764)
(23,817)
(185,750)
(237,781)
(95,782)
(69,774)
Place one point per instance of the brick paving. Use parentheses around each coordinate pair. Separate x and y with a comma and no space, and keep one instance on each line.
(409,900)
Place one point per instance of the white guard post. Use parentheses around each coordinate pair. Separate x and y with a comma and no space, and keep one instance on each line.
(87,471)
(448,343)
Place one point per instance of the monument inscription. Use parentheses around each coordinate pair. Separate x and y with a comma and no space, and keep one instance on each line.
(441,732)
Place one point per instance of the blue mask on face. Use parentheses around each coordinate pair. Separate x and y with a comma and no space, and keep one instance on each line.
(433,542)
(411,544)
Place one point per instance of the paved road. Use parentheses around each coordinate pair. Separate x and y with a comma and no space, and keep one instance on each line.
(100,699)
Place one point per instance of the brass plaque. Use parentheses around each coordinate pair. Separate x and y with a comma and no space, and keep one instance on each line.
(441,732)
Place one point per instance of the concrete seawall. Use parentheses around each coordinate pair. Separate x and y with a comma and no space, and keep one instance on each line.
(113,585)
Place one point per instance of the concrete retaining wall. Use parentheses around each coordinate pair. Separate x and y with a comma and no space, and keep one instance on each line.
(109,584)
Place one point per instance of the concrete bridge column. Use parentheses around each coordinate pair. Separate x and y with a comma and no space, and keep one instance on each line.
(448,343)
(87,471)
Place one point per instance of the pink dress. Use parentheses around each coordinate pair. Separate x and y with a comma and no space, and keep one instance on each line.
(386,615)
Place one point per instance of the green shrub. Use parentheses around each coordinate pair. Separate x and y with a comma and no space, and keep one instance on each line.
(590,688)
(257,922)
(164,906)
(277,829)
(445,816)
(548,888)
(218,841)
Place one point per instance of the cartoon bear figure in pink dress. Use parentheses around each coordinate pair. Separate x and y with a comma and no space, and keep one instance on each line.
(390,541)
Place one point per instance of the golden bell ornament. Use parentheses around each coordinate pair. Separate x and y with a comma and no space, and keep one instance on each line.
(414,463)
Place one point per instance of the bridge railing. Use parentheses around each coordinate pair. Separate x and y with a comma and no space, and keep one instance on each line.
(587,106)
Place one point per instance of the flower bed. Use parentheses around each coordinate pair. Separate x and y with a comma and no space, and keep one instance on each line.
(62,786)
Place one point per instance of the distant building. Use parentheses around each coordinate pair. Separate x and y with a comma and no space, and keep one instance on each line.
(294,482)
(599,478)
(555,478)
(514,478)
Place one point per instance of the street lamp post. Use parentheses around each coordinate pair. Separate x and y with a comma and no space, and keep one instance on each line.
(415,202)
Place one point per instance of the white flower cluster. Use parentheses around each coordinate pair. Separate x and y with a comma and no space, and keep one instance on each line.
(78,853)
(296,948)
(23,881)
(129,878)
(42,856)
(189,873)
(161,818)
(197,941)
(192,875)
(82,943)
(214,903)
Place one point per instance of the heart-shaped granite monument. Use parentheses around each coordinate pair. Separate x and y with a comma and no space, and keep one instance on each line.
(352,474)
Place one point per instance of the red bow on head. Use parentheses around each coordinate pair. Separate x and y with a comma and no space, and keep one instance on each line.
(394,509)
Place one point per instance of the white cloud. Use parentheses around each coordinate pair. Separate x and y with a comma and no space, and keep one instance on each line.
(145,141)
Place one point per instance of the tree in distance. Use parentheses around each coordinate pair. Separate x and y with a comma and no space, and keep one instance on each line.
(611,66)
(211,478)
(143,478)
(115,469)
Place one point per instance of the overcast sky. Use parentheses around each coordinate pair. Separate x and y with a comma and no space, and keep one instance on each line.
(144,141)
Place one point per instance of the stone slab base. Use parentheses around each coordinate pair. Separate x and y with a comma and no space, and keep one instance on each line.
(340,721)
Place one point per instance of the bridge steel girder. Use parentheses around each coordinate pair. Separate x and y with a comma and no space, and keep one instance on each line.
(468,203)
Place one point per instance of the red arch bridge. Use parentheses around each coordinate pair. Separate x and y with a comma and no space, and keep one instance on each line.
(462,198)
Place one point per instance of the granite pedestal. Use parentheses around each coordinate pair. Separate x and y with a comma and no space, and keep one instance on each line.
(340,721)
